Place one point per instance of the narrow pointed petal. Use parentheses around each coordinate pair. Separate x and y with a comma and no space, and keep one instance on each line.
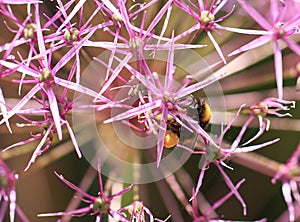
(12,205)
(286,190)
(292,45)
(21,143)
(135,111)
(4,111)
(165,25)
(115,74)
(252,45)
(16,43)
(217,204)
(220,139)
(19,2)
(261,130)
(161,136)
(232,188)
(195,27)
(200,179)
(19,68)
(216,45)
(121,192)
(244,31)
(255,147)
(39,34)
(78,212)
(71,185)
(125,17)
(255,15)
(166,46)
(72,136)
(169,78)
(55,111)
(200,85)
(21,103)
(78,88)
(77,7)
(158,17)
(38,148)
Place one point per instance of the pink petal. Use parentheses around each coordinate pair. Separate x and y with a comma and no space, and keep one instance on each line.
(220,202)
(115,74)
(197,86)
(232,188)
(255,147)
(12,205)
(252,45)
(77,7)
(55,111)
(72,186)
(161,135)
(121,192)
(4,111)
(19,2)
(201,176)
(292,45)
(77,149)
(217,47)
(135,111)
(78,212)
(255,15)
(21,103)
(286,191)
(38,148)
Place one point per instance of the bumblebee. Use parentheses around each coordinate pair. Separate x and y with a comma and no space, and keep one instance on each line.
(173,130)
(172,133)
(203,111)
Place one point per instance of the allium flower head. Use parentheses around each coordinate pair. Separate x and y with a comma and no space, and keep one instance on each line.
(269,106)
(164,100)
(284,23)
(98,205)
(206,15)
(219,154)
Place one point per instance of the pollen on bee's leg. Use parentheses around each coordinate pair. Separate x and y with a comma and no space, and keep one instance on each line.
(171,139)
